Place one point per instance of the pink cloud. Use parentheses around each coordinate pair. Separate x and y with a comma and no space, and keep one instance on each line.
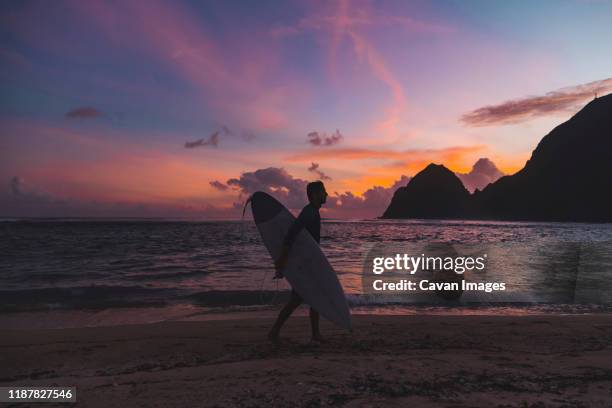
(482,174)
(351,21)
(519,110)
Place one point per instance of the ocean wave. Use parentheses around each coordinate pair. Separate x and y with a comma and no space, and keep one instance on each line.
(105,297)
(180,274)
(83,297)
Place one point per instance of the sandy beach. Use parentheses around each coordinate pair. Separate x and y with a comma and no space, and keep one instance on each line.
(437,361)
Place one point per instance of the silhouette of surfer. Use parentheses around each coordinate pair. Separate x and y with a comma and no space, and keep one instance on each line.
(309,219)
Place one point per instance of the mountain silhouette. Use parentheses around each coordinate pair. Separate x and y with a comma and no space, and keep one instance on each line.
(435,192)
(567,178)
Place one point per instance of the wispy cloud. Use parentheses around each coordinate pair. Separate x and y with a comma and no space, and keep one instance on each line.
(519,110)
(314,168)
(323,139)
(232,80)
(350,20)
(212,140)
(222,132)
(219,185)
(364,153)
(363,19)
(84,112)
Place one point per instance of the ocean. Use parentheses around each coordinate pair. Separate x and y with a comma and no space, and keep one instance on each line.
(115,267)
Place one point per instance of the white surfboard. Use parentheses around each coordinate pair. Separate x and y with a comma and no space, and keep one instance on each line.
(308,270)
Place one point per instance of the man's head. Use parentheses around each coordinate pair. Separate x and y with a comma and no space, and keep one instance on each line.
(316,193)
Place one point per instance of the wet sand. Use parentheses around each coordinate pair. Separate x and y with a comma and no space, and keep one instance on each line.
(428,361)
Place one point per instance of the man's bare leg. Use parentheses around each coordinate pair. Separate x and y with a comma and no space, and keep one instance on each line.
(284,314)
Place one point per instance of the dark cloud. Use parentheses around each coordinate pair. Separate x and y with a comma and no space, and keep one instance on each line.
(84,112)
(26,194)
(274,181)
(560,101)
(323,139)
(371,204)
(212,140)
(291,192)
(315,169)
(482,174)
(219,185)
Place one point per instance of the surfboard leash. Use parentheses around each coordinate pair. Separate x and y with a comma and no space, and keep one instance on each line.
(242,218)
(261,296)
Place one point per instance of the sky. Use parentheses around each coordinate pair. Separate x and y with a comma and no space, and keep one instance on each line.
(184,108)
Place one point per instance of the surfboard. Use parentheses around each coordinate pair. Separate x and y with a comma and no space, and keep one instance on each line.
(307,270)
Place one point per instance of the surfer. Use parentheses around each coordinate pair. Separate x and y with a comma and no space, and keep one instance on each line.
(310,219)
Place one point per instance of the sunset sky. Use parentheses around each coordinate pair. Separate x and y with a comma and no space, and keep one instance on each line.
(181,109)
